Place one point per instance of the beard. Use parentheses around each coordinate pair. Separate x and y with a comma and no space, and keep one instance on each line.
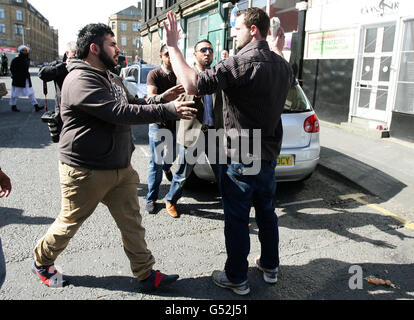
(106,59)
(205,63)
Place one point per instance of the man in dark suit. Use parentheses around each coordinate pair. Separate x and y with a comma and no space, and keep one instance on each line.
(209,116)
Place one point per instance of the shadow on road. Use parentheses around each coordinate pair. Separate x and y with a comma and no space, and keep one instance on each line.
(23,129)
(15,216)
(319,279)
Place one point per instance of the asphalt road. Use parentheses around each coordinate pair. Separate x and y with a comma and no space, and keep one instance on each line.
(321,235)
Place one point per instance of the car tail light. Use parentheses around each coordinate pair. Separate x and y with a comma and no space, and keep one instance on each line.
(311,124)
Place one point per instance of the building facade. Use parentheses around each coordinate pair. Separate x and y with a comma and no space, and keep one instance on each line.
(358,63)
(21,23)
(209,19)
(126,25)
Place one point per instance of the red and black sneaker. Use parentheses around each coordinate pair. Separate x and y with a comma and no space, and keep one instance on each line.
(157,280)
(50,276)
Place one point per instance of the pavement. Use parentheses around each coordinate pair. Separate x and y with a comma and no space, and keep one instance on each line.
(384,167)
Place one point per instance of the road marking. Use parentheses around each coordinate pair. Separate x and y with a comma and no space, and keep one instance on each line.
(300,202)
(357,197)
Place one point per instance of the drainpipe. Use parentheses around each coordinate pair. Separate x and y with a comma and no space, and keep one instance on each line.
(302,7)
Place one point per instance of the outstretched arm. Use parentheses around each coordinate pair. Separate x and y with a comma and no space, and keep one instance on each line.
(185,74)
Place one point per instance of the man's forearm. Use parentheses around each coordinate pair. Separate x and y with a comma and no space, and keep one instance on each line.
(185,74)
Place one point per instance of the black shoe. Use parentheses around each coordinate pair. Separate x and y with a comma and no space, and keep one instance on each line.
(150,207)
(37,108)
(168,175)
(14,109)
(157,280)
(50,276)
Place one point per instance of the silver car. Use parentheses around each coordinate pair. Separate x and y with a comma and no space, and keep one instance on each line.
(135,78)
(300,148)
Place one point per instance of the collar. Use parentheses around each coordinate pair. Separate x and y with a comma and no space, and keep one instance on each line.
(258,44)
(166,71)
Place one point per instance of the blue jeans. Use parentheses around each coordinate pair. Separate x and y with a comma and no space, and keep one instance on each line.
(182,174)
(155,168)
(239,192)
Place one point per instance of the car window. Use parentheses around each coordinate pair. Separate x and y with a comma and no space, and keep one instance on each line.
(297,101)
(144,74)
(133,72)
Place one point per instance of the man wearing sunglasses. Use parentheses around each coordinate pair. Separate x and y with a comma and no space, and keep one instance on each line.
(209,116)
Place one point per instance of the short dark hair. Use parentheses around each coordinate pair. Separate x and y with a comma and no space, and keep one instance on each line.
(163,47)
(91,33)
(257,17)
(201,41)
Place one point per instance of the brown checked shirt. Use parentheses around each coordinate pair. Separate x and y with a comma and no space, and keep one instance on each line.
(255,84)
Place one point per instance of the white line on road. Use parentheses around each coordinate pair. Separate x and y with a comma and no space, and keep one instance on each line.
(300,202)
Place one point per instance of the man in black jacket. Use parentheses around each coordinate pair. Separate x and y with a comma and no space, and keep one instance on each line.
(56,71)
(22,84)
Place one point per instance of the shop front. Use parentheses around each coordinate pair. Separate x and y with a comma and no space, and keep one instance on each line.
(358,63)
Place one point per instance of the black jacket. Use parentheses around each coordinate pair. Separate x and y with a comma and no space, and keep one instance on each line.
(97,113)
(56,71)
(19,69)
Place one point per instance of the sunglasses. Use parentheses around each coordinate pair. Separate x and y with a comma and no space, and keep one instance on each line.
(166,54)
(204,50)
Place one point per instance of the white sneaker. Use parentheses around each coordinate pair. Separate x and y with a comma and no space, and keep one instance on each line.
(221,280)
(269,275)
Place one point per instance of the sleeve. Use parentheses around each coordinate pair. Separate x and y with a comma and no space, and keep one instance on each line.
(152,78)
(52,71)
(227,73)
(95,98)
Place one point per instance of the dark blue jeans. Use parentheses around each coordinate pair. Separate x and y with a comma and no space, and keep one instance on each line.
(155,168)
(239,192)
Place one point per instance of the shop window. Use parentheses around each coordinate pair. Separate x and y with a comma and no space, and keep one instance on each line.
(405,89)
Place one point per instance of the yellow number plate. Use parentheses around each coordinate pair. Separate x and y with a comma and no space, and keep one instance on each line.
(285,161)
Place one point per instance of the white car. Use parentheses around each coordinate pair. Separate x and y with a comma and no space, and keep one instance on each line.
(135,78)
(300,147)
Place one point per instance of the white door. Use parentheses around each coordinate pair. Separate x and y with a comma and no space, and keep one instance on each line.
(372,97)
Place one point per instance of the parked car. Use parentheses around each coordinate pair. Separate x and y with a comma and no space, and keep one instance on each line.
(135,78)
(41,65)
(300,148)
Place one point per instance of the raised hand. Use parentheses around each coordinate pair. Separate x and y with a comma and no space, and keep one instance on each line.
(173,93)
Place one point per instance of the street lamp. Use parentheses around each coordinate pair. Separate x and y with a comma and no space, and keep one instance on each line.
(23,28)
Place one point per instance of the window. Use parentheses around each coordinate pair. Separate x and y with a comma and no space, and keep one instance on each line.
(123,26)
(405,90)
(124,41)
(19,15)
(113,26)
(2,28)
(18,29)
(136,27)
(2,16)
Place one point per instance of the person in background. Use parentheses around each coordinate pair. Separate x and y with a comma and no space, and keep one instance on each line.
(224,54)
(4,64)
(255,85)
(209,116)
(22,83)
(159,82)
